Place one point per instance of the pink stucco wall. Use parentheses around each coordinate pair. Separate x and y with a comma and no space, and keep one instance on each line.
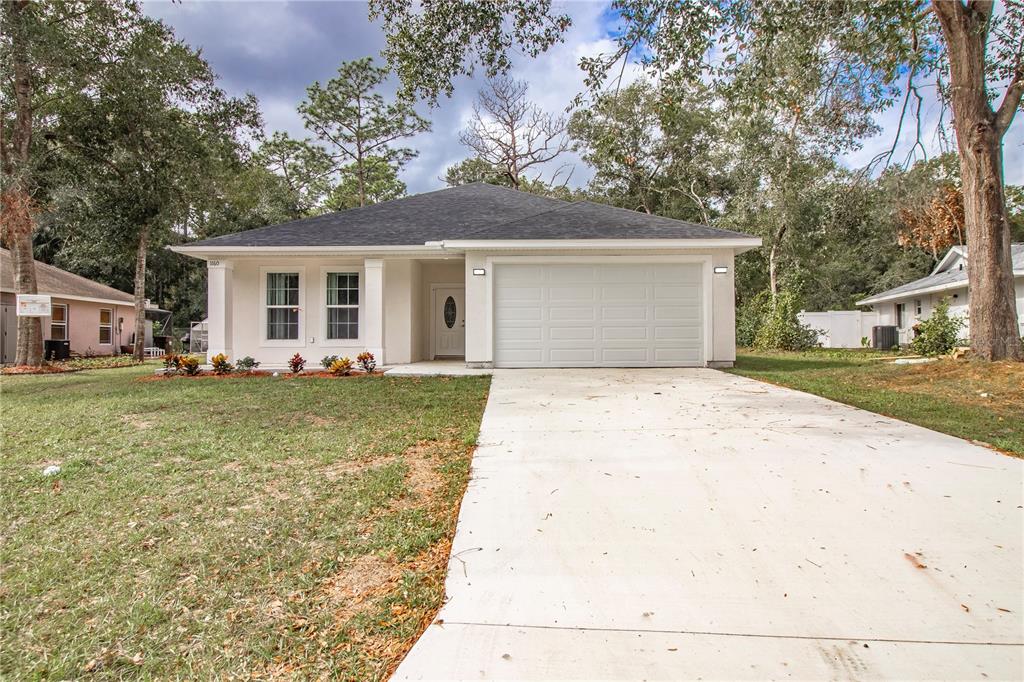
(84,326)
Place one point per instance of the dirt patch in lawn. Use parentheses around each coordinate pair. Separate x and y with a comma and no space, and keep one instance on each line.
(998,386)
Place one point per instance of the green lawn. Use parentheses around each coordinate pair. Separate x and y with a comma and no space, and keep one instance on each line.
(206,528)
(970,399)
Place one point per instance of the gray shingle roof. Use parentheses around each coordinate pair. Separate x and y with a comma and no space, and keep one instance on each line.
(56,282)
(589,220)
(474,211)
(946,278)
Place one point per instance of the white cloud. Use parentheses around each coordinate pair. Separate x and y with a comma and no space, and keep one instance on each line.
(276,49)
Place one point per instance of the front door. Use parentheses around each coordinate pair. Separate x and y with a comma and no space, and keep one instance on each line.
(449,322)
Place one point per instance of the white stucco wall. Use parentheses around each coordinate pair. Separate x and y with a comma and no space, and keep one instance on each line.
(237,319)
(400,332)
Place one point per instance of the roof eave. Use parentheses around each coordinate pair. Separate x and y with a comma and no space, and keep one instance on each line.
(885,297)
(208,251)
(739,244)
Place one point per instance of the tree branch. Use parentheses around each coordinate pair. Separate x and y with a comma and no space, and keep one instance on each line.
(1011,102)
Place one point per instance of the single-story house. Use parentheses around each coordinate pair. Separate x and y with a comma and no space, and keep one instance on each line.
(907,305)
(482,273)
(95,318)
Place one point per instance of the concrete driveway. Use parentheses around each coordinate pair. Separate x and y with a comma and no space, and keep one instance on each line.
(668,524)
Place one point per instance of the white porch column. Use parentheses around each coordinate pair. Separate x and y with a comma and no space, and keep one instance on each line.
(373,308)
(219,303)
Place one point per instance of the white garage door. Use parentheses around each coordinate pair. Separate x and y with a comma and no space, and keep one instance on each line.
(598,315)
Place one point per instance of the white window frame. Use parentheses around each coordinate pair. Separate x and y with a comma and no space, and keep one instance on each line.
(346,268)
(64,307)
(109,327)
(283,343)
(918,307)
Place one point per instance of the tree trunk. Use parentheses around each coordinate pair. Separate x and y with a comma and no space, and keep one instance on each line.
(29,349)
(18,223)
(979,132)
(773,262)
(138,349)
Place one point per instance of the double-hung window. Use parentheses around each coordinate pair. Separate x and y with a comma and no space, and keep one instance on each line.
(106,326)
(59,322)
(282,306)
(342,305)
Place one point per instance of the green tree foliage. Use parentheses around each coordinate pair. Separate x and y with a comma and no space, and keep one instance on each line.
(939,333)
(380,183)
(779,327)
(474,169)
(304,167)
(652,151)
(357,127)
(139,149)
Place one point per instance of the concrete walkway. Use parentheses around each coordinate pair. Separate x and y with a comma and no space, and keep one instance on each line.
(668,524)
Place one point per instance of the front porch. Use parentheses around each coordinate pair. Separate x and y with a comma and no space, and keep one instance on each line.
(404,310)
(437,368)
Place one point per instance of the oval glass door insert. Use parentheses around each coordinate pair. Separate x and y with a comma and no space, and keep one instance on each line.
(449,312)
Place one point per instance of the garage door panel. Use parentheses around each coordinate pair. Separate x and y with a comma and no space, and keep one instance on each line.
(624,356)
(628,333)
(676,273)
(571,293)
(517,313)
(511,333)
(557,313)
(621,292)
(585,355)
(523,356)
(628,274)
(570,274)
(589,315)
(663,333)
(631,313)
(674,355)
(684,292)
(571,334)
(514,294)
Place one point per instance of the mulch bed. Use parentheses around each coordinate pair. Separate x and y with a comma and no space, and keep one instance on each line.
(45,369)
(261,374)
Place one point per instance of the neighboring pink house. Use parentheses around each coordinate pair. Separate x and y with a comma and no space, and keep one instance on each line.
(97,319)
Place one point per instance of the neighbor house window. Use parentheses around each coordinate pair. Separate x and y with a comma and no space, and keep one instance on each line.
(917,307)
(59,322)
(282,306)
(106,326)
(342,305)
(901,314)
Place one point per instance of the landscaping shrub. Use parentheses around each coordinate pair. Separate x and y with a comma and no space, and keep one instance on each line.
(780,329)
(938,334)
(750,317)
(190,365)
(366,361)
(172,363)
(246,364)
(328,361)
(297,363)
(341,367)
(220,364)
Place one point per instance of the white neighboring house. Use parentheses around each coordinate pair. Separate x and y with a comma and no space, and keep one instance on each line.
(489,275)
(911,303)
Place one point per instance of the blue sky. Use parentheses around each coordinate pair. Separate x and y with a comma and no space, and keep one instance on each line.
(276,49)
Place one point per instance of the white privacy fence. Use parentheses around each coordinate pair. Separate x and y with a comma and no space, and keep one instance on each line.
(840,328)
